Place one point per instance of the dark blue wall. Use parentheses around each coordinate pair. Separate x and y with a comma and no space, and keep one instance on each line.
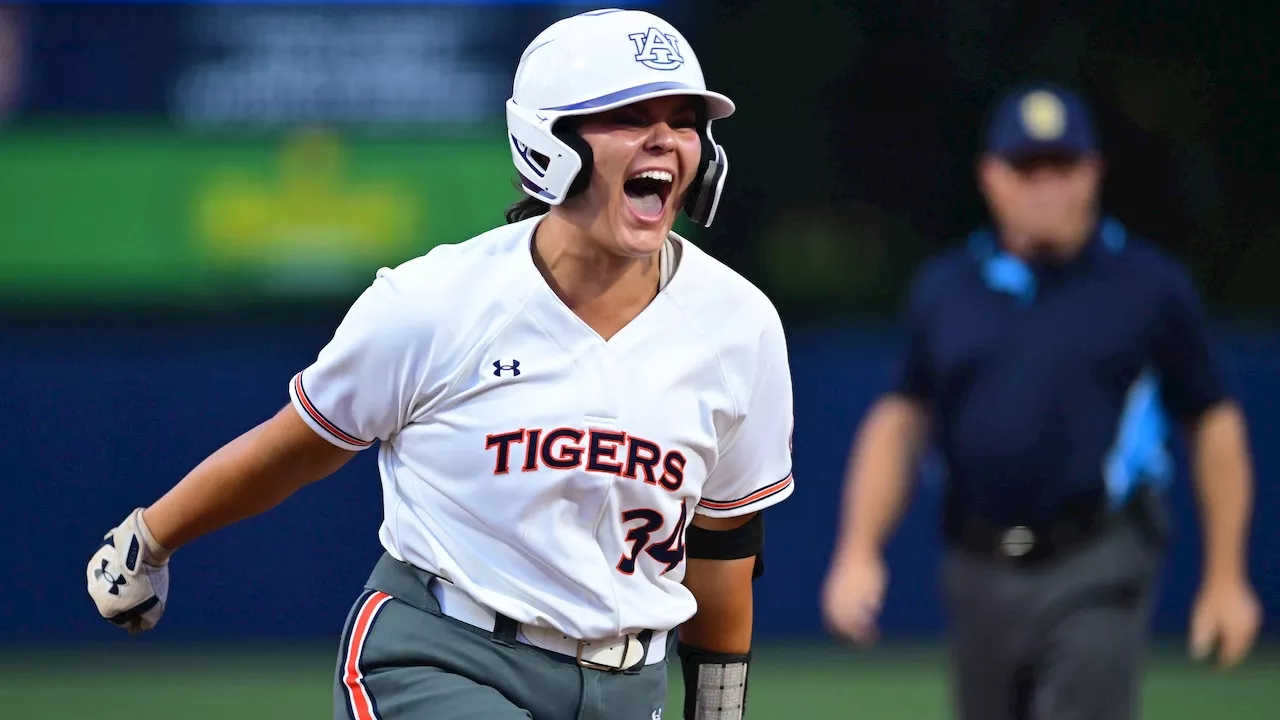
(97,419)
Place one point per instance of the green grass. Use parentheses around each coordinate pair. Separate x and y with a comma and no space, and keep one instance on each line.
(786,682)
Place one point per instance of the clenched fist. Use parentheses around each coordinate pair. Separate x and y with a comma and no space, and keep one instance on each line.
(128,576)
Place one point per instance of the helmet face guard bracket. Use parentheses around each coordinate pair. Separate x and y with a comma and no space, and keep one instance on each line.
(591,63)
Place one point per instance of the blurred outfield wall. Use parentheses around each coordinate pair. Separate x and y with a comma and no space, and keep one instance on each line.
(163,218)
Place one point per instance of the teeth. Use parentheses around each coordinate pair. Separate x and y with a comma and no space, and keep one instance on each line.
(659,175)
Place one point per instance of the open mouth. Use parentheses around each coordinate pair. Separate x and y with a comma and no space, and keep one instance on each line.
(647,192)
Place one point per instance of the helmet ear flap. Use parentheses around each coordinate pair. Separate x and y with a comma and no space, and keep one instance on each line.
(580,146)
(704,193)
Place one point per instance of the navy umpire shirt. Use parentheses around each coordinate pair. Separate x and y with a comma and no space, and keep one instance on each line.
(1056,387)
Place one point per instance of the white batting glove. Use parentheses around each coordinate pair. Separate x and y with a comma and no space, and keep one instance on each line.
(129,576)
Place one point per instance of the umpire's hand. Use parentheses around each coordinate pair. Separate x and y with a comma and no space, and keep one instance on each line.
(1226,616)
(129,576)
(852,595)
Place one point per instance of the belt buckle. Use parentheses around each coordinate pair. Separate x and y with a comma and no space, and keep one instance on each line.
(1017,541)
(590,664)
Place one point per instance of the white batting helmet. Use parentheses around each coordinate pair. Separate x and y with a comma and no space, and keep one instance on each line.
(597,61)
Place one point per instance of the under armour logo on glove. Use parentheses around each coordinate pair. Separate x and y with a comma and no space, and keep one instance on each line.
(128,576)
(115,580)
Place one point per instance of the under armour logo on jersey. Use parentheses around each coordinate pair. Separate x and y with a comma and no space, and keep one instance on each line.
(115,580)
(657,51)
(514,368)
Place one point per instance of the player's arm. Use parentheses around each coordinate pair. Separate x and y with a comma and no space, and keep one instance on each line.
(715,644)
(246,477)
(1194,387)
(721,565)
(128,576)
(360,389)
(725,541)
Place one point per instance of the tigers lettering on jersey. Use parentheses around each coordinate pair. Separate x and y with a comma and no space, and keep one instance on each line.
(598,451)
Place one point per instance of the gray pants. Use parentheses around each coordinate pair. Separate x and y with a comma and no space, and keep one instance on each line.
(401,659)
(1061,640)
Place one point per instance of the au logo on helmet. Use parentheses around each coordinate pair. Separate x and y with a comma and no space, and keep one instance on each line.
(657,51)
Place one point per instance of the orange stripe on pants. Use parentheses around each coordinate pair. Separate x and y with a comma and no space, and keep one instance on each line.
(361,702)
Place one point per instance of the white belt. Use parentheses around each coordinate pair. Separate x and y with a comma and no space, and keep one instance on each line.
(616,653)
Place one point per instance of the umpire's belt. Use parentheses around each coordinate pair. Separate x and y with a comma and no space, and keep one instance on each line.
(1033,543)
(614,654)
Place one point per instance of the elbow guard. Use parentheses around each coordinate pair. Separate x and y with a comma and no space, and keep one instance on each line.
(715,684)
(744,541)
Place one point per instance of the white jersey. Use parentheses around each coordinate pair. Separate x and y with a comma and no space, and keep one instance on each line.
(546,472)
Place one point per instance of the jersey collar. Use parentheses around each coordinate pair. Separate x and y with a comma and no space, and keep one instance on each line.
(1004,272)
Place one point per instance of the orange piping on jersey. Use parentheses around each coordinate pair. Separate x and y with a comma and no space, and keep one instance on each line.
(322,420)
(754,497)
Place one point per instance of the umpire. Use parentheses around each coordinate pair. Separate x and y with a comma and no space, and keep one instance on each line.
(1047,359)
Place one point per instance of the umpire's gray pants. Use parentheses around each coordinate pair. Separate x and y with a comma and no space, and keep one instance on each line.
(1062,640)
(402,659)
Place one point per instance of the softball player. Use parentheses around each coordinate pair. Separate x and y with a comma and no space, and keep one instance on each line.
(580,416)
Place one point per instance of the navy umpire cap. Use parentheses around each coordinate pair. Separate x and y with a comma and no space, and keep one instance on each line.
(1040,119)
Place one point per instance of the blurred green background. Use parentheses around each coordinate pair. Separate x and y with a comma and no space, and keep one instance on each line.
(188,151)
(142,217)
(787,681)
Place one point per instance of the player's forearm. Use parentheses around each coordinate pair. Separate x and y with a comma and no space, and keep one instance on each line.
(878,480)
(246,477)
(1224,486)
(723,591)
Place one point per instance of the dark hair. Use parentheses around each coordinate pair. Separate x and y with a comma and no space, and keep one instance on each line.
(525,208)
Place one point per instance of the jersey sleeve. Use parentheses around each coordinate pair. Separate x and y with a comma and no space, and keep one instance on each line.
(914,376)
(1193,374)
(753,470)
(363,384)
